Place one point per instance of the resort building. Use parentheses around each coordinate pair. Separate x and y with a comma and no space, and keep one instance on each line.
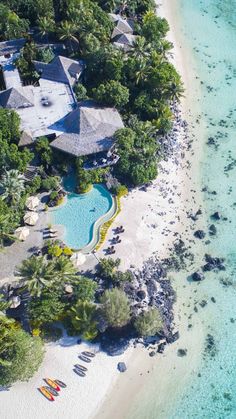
(88,130)
(122,35)
(50,109)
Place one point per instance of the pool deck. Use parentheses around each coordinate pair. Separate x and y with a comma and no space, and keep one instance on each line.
(12,256)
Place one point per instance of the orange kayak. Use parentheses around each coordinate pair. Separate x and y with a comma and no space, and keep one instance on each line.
(52,384)
(46,393)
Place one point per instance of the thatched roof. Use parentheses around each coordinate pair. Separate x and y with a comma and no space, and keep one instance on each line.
(15,98)
(122,26)
(88,130)
(61,69)
(12,46)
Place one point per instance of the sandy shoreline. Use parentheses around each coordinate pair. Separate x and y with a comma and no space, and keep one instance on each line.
(181,183)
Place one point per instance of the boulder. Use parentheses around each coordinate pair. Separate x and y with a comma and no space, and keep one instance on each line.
(152,353)
(197,276)
(182,352)
(216,216)
(141,294)
(121,366)
(212,230)
(200,234)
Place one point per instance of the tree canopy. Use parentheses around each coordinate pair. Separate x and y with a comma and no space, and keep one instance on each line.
(20,353)
(115,307)
(149,323)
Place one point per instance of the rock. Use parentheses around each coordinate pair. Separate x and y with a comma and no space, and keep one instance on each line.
(213,299)
(151,354)
(121,366)
(200,234)
(203,303)
(161,347)
(197,276)
(216,216)
(182,352)
(212,230)
(141,294)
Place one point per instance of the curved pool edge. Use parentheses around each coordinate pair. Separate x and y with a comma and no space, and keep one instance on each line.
(88,248)
(97,228)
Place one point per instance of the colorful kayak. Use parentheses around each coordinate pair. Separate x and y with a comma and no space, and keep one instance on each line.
(60,383)
(52,391)
(46,393)
(52,384)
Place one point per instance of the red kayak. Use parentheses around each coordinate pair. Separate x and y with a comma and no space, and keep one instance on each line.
(52,384)
(46,393)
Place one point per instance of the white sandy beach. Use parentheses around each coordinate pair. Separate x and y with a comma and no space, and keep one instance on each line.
(151,220)
(82,396)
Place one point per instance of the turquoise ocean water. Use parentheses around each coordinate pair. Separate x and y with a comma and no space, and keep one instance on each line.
(208,29)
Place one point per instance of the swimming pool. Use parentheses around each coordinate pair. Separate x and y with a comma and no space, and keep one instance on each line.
(80,214)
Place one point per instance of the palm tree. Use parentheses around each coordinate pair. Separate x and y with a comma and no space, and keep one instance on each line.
(83,319)
(46,26)
(7,227)
(176,90)
(64,269)
(37,274)
(141,74)
(12,184)
(7,327)
(67,32)
(140,48)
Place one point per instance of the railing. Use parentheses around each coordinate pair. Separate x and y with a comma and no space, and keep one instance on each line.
(99,164)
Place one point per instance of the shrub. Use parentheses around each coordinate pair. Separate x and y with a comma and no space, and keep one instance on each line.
(67,251)
(80,92)
(50,183)
(53,195)
(116,307)
(149,323)
(54,250)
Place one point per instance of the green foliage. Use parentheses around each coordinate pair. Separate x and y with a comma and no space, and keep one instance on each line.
(154,27)
(82,317)
(84,289)
(20,354)
(107,267)
(25,64)
(85,178)
(44,151)
(39,274)
(50,183)
(80,92)
(137,150)
(34,186)
(53,195)
(45,55)
(111,93)
(12,184)
(3,303)
(11,25)
(54,250)
(149,323)
(115,307)
(9,220)
(46,309)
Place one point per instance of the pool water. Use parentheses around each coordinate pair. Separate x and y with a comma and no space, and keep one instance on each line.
(79,214)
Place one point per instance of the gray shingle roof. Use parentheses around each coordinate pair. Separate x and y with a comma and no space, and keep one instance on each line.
(12,46)
(122,26)
(88,130)
(25,139)
(61,69)
(13,98)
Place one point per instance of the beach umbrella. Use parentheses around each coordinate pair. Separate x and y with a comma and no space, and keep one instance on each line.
(78,258)
(22,233)
(14,301)
(31,218)
(32,203)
